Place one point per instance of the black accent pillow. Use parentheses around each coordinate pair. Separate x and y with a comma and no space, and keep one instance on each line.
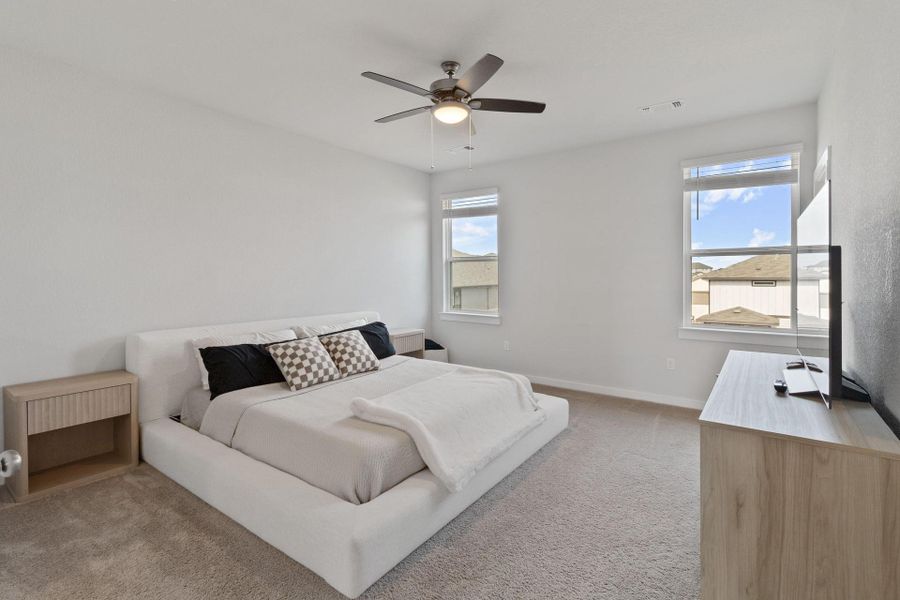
(377,337)
(237,367)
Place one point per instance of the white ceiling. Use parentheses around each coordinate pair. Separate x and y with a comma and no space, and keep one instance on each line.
(296,64)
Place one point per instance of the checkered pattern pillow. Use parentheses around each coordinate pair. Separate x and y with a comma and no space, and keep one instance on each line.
(304,362)
(350,352)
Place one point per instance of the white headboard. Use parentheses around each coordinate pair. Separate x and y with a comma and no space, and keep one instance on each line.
(165,363)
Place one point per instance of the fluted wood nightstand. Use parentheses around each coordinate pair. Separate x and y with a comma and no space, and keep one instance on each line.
(410,342)
(71,431)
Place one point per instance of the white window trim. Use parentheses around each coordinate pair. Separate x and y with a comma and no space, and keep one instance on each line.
(784,338)
(469,316)
(781,338)
(488,191)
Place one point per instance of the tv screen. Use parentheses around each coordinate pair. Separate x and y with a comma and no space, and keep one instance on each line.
(817,308)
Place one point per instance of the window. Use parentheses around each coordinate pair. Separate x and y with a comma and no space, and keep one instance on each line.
(740,264)
(471,257)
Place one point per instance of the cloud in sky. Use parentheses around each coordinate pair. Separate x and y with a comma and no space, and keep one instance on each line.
(468,228)
(760,237)
(475,235)
(711,199)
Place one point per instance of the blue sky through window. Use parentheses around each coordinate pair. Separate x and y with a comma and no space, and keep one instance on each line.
(741,218)
(475,235)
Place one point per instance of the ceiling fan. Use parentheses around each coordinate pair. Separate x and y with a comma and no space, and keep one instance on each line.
(451,98)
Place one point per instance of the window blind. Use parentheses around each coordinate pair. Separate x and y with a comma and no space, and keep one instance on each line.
(772,170)
(481,205)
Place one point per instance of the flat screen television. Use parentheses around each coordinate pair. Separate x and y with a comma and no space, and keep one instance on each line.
(818,308)
(835,339)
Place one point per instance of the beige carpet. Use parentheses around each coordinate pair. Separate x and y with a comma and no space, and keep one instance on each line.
(607,510)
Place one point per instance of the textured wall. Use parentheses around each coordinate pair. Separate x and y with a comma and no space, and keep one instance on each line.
(860,119)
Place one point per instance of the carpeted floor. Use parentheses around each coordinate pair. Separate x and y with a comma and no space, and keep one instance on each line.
(608,510)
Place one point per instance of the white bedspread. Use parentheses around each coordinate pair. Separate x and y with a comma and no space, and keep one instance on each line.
(314,435)
(459,421)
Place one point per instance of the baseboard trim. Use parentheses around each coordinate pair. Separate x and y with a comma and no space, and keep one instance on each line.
(620,392)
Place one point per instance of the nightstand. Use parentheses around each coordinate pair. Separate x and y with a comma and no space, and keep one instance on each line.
(410,342)
(70,431)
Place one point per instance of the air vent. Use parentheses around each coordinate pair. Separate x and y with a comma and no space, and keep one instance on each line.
(662,106)
(458,149)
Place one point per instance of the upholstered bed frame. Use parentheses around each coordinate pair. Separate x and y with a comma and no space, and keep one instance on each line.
(351,546)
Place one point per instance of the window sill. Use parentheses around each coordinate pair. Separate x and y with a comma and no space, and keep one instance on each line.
(484,319)
(775,339)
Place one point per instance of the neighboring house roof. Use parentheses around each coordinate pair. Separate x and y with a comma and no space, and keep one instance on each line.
(474,273)
(699,266)
(766,266)
(737,315)
(775,267)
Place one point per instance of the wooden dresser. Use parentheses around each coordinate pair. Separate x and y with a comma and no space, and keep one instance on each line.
(71,431)
(797,502)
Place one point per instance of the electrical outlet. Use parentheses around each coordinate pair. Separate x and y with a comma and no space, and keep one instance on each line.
(670,364)
(506,346)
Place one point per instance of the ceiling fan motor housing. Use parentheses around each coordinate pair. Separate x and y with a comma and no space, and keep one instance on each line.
(445,89)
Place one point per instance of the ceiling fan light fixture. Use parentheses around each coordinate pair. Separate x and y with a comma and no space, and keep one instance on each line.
(451,111)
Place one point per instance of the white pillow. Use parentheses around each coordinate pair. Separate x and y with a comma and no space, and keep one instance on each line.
(282,335)
(305,331)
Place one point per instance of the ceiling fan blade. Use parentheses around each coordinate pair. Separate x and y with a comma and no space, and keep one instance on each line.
(403,115)
(478,74)
(503,105)
(396,83)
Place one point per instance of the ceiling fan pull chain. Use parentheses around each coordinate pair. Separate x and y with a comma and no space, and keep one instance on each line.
(469,148)
(431,122)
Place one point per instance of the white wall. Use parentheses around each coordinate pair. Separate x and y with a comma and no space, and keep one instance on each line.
(860,119)
(123,211)
(591,258)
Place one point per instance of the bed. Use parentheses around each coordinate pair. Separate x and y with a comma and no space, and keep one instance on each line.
(350,545)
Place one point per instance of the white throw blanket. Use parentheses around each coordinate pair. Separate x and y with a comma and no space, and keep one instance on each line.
(459,421)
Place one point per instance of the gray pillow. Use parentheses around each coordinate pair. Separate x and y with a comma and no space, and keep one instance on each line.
(304,362)
(350,352)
